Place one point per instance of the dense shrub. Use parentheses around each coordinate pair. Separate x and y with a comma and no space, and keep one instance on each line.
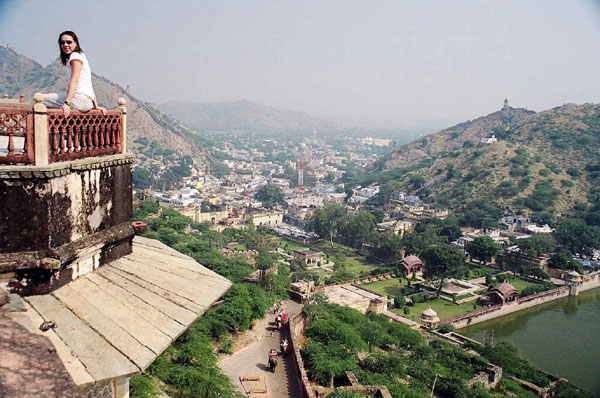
(506,356)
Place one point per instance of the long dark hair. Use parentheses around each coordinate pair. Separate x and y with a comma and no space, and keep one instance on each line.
(65,57)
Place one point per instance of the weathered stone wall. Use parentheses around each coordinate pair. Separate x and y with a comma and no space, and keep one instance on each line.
(590,281)
(297,325)
(522,303)
(67,219)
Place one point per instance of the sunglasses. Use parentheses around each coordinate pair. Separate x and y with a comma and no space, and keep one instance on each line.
(66,42)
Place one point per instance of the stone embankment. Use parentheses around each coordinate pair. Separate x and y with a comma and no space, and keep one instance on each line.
(590,281)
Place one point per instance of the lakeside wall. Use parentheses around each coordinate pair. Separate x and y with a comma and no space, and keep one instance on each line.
(589,282)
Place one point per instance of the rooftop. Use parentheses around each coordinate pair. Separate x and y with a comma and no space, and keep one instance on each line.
(115,321)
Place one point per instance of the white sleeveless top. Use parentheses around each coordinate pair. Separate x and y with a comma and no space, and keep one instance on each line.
(84,86)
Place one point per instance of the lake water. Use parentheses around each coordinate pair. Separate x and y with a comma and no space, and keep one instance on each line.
(561,337)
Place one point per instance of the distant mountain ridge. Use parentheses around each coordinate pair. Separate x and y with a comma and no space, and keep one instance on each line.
(540,162)
(22,75)
(242,115)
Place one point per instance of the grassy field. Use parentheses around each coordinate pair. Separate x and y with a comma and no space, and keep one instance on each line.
(443,308)
(388,287)
(481,270)
(520,284)
(291,245)
(356,263)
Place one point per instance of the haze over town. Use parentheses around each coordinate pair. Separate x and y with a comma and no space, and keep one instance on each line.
(383,64)
(389,199)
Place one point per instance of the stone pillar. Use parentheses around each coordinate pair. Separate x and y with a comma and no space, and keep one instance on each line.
(120,388)
(574,289)
(123,108)
(40,130)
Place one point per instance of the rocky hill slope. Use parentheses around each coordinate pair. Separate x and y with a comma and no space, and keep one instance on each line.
(243,115)
(541,162)
(22,75)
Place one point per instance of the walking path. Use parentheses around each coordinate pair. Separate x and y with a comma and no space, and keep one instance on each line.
(252,360)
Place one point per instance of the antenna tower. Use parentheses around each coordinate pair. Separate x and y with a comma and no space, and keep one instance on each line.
(300,180)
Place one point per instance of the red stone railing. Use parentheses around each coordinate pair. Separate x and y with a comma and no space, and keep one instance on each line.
(16,124)
(40,136)
(83,135)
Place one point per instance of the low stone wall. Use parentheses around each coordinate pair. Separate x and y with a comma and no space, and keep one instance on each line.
(360,281)
(500,310)
(590,281)
(297,324)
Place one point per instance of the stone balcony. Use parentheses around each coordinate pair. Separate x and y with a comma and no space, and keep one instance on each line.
(109,304)
(65,189)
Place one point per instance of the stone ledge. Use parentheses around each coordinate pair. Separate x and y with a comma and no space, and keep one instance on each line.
(68,252)
(63,168)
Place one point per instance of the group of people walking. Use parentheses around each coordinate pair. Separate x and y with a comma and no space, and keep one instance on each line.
(280,319)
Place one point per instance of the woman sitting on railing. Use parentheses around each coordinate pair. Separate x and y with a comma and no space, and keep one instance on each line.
(80,93)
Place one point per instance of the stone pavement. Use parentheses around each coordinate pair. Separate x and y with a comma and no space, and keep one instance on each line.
(252,360)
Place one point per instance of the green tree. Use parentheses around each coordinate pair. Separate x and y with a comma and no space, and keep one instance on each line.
(270,195)
(544,244)
(483,248)
(576,235)
(386,246)
(330,177)
(540,274)
(359,229)
(442,262)
(527,247)
(142,178)
(415,243)
(327,221)
(563,260)
(481,213)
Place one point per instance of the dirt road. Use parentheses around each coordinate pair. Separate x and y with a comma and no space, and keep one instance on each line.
(252,361)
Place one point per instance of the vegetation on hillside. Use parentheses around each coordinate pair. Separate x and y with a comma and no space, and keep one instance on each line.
(380,352)
(188,368)
(544,162)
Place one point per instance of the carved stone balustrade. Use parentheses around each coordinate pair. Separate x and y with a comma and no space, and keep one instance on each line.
(40,136)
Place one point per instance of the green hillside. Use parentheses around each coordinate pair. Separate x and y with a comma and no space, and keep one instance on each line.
(541,162)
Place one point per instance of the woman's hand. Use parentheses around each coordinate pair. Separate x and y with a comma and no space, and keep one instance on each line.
(102,109)
(66,110)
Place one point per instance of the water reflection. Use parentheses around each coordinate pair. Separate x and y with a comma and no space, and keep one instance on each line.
(560,337)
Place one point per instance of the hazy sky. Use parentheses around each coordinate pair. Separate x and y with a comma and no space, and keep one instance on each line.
(376,63)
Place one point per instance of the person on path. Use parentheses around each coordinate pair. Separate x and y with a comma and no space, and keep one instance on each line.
(80,93)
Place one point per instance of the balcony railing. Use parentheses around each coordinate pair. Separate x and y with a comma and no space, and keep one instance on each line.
(40,136)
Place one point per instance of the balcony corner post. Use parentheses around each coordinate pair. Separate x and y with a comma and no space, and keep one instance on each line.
(123,108)
(40,130)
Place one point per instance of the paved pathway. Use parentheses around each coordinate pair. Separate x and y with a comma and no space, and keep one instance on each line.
(252,361)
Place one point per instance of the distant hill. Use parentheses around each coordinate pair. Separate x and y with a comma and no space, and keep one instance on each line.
(242,115)
(22,75)
(541,162)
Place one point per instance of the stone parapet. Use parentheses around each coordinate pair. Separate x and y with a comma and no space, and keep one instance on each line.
(297,324)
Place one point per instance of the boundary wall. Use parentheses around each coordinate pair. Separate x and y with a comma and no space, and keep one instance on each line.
(485,314)
(297,324)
